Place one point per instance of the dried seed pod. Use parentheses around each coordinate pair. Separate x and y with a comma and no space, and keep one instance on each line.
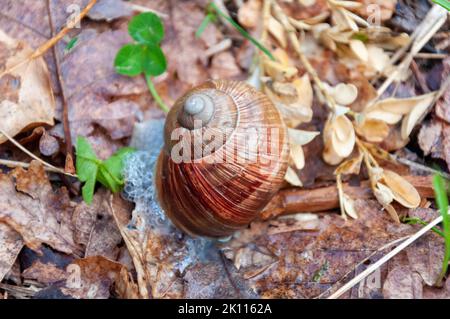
(226,153)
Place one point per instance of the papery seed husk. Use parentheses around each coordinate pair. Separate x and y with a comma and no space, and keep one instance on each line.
(301,137)
(382,115)
(349,206)
(378,59)
(277,31)
(278,71)
(345,94)
(350,166)
(383,194)
(304,90)
(292,178)
(297,156)
(416,114)
(343,138)
(393,213)
(372,130)
(403,191)
(406,105)
(282,57)
(359,49)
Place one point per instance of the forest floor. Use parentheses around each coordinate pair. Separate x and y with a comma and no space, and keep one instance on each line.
(363,87)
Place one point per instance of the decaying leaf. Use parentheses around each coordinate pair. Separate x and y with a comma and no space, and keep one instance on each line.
(39,214)
(10,245)
(95,227)
(402,283)
(26,97)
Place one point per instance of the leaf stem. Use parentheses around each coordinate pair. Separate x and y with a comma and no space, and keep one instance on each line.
(155,94)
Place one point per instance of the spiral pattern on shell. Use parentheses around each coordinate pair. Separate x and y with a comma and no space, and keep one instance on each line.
(232,162)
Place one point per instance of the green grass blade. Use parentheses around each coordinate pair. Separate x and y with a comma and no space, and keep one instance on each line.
(443,3)
(243,32)
(417,220)
(206,21)
(442,203)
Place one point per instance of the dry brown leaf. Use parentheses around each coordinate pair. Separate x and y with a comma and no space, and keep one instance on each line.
(39,214)
(95,227)
(26,97)
(110,10)
(403,283)
(125,286)
(10,245)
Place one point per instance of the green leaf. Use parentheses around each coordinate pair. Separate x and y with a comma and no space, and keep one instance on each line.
(88,188)
(242,31)
(90,169)
(71,44)
(129,60)
(87,167)
(443,3)
(442,203)
(154,62)
(361,36)
(146,28)
(110,173)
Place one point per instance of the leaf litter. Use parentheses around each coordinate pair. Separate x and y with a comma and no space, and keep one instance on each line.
(298,256)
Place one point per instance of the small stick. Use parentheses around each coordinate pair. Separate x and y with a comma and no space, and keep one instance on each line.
(384,259)
(65,114)
(50,166)
(9,163)
(295,200)
(431,55)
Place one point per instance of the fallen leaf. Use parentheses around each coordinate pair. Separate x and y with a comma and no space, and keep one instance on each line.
(39,214)
(95,227)
(27,99)
(10,246)
(110,10)
(402,283)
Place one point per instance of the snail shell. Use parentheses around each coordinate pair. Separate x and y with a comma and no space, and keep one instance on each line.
(225,156)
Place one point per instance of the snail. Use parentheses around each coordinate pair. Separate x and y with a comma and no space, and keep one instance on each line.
(213,164)
(225,155)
